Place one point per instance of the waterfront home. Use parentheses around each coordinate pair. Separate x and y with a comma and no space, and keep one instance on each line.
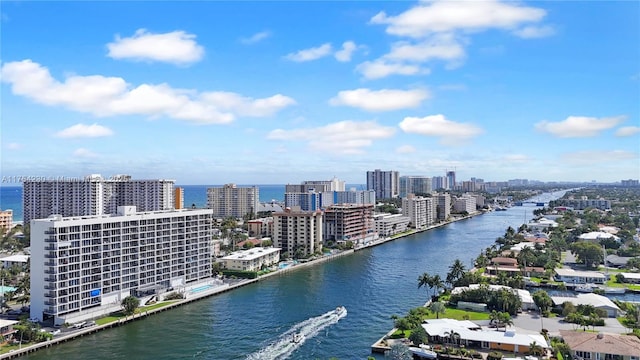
(613,260)
(541,224)
(596,236)
(252,260)
(525,296)
(595,300)
(633,278)
(7,330)
(602,346)
(571,276)
(471,335)
(19,260)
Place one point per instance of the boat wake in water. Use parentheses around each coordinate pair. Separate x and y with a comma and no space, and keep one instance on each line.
(289,341)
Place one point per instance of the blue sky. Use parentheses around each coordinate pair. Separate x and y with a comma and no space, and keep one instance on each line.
(280,92)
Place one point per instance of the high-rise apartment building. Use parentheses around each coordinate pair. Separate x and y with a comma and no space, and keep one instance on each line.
(420,210)
(316,185)
(94,195)
(178,198)
(414,185)
(233,201)
(386,184)
(6,219)
(298,233)
(451,180)
(465,203)
(443,206)
(82,267)
(349,222)
(439,183)
(312,201)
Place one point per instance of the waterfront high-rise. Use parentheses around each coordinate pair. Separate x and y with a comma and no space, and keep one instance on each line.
(82,267)
(298,233)
(349,222)
(94,195)
(6,219)
(233,201)
(443,206)
(414,185)
(385,183)
(420,210)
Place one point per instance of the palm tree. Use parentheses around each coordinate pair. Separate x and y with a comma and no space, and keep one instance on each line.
(456,271)
(494,318)
(535,349)
(425,280)
(437,283)
(452,337)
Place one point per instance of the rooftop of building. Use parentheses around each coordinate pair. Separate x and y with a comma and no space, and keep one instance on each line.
(603,343)
(251,254)
(595,300)
(126,211)
(579,273)
(16,258)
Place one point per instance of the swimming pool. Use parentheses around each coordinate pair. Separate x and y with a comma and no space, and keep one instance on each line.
(200,289)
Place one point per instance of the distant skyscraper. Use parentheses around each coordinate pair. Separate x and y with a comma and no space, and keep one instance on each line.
(385,183)
(451,180)
(94,195)
(438,182)
(414,185)
(233,201)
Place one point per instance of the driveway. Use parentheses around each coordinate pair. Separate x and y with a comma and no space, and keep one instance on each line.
(530,322)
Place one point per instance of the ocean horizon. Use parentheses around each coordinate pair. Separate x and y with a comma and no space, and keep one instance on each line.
(11,196)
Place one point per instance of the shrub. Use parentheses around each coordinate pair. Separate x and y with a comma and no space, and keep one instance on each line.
(174,296)
(494,355)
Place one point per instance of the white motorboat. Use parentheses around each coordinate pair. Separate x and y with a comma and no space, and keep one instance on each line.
(584,288)
(340,310)
(609,290)
(297,338)
(423,353)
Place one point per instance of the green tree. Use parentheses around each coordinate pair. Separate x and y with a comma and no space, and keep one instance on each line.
(398,352)
(419,336)
(535,349)
(130,304)
(588,253)
(505,320)
(543,301)
(437,308)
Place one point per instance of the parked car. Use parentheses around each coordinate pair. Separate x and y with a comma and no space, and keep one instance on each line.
(79,325)
(34,320)
(14,312)
(54,332)
(89,324)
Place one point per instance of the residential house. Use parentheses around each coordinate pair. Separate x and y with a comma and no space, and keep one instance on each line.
(595,300)
(601,346)
(571,276)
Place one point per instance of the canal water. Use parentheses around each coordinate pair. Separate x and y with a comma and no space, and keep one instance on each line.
(372,284)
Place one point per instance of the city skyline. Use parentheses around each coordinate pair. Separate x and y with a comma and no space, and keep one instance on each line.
(277,93)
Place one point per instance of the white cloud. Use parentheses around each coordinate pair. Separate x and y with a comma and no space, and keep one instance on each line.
(344,137)
(13,146)
(590,157)
(579,126)
(380,100)
(533,32)
(449,132)
(628,131)
(348,48)
(310,54)
(447,16)
(113,96)
(439,30)
(176,47)
(84,153)
(255,38)
(444,47)
(405,149)
(84,131)
(517,158)
(381,68)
